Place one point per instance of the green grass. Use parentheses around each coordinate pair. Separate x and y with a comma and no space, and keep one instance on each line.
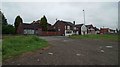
(16,45)
(103,37)
(0,51)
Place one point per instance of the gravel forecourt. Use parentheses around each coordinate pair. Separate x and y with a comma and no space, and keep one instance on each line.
(66,51)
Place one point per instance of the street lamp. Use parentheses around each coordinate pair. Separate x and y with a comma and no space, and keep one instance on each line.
(84,16)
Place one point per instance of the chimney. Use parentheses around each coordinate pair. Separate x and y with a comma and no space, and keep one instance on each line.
(74,22)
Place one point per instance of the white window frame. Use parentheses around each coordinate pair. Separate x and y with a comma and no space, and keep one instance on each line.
(68,27)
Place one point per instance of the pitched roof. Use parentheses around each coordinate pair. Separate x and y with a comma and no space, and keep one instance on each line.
(104,28)
(66,22)
(89,26)
(49,24)
(96,29)
(38,22)
(78,25)
(30,26)
(111,30)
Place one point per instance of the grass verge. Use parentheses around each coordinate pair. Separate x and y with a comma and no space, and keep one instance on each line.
(0,51)
(16,45)
(103,37)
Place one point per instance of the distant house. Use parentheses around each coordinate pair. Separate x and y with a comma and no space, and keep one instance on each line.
(106,31)
(97,31)
(112,31)
(92,30)
(65,28)
(60,27)
(83,30)
(32,28)
(78,26)
(87,29)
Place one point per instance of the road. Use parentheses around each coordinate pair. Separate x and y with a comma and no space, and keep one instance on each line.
(66,51)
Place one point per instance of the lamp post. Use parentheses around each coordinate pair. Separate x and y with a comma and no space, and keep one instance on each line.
(84,16)
(84,22)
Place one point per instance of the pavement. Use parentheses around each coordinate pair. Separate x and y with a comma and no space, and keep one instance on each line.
(66,51)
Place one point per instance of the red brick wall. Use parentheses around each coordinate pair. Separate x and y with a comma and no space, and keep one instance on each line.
(61,26)
(103,31)
(45,33)
(20,29)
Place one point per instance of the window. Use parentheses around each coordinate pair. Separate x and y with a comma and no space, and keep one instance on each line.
(36,32)
(68,27)
(58,29)
(65,27)
(25,31)
(28,31)
(75,28)
(68,31)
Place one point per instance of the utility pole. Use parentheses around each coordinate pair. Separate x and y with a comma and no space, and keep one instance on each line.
(84,16)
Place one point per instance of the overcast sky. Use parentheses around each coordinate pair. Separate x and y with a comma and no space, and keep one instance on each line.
(97,13)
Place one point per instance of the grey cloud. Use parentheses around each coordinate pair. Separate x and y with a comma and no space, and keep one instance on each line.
(60,0)
(97,13)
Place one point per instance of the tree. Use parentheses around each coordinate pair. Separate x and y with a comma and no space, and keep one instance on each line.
(18,20)
(4,20)
(6,28)
(4,23)
(0,23)
(43,23)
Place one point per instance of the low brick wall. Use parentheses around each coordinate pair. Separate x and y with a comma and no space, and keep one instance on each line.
(47,33)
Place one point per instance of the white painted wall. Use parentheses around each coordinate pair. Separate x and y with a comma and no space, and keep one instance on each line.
(28,31)
(111,32)
(77,32)
(68,27)
(83,30)
(97,32)
(91,31)
(82,33)
(67,34)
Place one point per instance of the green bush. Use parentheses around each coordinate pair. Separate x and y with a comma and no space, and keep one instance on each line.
(8,29)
